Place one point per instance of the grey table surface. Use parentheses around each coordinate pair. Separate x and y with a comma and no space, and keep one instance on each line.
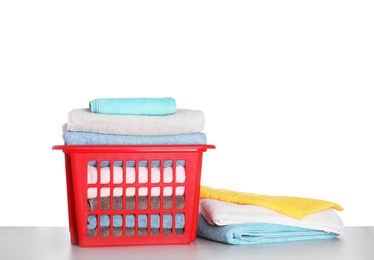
(53,243)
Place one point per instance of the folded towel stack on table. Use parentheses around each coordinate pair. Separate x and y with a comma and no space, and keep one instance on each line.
(134,121)
(241,218)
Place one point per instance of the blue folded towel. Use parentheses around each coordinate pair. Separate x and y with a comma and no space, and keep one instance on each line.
(134,106)
(259,233)
(90,138)
(142,221)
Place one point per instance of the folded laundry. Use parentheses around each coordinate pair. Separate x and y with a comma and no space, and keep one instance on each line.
(257,233)
(142,221)
(141,177)
(141,203)
(133,106)
(296,207)
(141,163)
(118,231)
(132,177)
(132,191)
(183,121)
(105,203)
(90,138)
(223,213)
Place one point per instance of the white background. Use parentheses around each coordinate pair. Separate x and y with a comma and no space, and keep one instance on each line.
(286,88)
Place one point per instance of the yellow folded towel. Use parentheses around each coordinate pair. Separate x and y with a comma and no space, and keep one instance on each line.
(295,207)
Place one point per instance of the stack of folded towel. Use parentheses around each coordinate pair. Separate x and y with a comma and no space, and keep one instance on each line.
(134,121)
(241,218)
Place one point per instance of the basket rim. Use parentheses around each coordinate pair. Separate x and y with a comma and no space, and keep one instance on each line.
(134,148)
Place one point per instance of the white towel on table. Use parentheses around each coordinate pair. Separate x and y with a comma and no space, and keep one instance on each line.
(223,213)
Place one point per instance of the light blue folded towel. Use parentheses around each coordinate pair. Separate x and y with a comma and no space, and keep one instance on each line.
(259,233)
(134,106)
(90,138)
(142,221)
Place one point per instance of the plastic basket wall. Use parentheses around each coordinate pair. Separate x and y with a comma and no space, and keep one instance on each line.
(133,195)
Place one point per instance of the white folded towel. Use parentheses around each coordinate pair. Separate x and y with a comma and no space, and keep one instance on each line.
(184,121)
(168,177)
(223,213)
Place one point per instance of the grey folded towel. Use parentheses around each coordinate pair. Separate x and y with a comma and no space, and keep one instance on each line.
(142,202)
(182,122)
(130,205)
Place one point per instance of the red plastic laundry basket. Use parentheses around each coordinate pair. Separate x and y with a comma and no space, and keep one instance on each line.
(132,194)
